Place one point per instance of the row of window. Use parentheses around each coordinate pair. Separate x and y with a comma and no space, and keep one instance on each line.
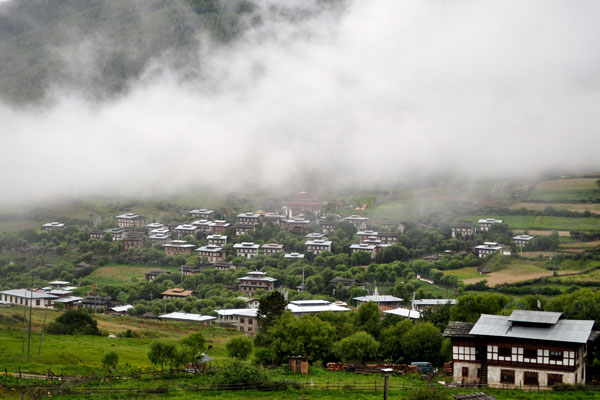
(530,378)
(463,353)
(533,356)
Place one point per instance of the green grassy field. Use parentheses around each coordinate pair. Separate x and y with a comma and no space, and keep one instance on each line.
(565,190)
(81,354)
(594,208)
(544,222)
(114,274)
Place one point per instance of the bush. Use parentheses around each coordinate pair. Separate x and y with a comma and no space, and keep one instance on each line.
(110,360)
(73,323)
(239,347)
(239,373)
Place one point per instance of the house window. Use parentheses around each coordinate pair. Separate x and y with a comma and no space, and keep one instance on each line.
(465,372)
(507,376)
(249,329)
(504,353)
(242,320)
(530,378)
(463,353)
(556,356)
(554,379)
(530,355)
(37,302)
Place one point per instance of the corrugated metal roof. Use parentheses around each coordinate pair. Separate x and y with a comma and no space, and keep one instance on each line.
(535,317)
(566,330)
(404,312)
(379,299)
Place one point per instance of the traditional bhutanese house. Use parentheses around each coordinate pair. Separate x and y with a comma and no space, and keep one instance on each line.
(175,247)
(270,249)
(202,226)
(488,248)
(246,249)
(371,249)
(186,317)
(522,240)
(297,225)
(218,240)
(424,304)
(24,297)
(116,233)
(154,225)
(70,302)
(222,266)
(302,202)
(152,275)
(250,218)
(255,280)
(384,302)
(189,270)
(404,313)
(98,302)
(360,223)
(219,227)
(486,223)
(130,220)
(462,230)
(294,256)
(213,253)
(366,234)
(528,349)
(302,307)
(318,246)
(388,237)
(52,226)
(202,213)
(97,234)
(176,293)
(160,238)
(133,240)
(184,230)
(346,282)
(244,230)
(328,227)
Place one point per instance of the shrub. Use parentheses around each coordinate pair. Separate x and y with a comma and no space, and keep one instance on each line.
(74,322)
(239,373)
(239,347)
(110,360)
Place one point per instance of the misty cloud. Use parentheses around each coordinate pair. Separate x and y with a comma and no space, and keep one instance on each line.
(381,91)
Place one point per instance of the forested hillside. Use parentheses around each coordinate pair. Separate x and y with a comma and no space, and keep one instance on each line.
(98,48)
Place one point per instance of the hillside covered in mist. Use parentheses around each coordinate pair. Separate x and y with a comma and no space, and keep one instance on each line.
(98,48)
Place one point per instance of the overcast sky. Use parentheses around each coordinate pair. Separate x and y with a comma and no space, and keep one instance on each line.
(389,90)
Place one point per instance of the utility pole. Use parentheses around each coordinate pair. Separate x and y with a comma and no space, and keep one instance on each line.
(386,377)
(30,310)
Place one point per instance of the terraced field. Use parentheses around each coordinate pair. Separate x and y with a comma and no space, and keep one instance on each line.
(567,190)
(531,222)
(122,274)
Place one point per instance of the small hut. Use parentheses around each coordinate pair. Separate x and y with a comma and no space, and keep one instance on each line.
(299,364)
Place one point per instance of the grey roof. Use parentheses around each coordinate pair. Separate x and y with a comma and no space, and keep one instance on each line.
(534,317)
(26,294)
(458,329)
(565,330)
(433,302)
(379,298)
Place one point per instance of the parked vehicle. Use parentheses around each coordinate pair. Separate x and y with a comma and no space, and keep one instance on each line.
(424,367)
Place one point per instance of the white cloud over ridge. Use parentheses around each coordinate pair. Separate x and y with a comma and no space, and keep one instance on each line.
(388,91)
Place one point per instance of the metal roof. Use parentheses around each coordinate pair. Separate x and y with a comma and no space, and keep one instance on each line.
(534,317)
(187,317)
(565,330)
(234,311)
(379,298)
(315,308)
(122,308)
(404,312)
(26,294)
(433,302)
